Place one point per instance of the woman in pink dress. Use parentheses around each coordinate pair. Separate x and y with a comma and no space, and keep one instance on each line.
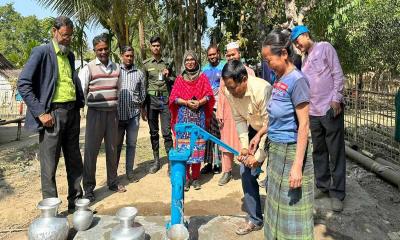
(228,135)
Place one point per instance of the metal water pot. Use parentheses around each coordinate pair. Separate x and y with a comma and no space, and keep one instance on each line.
(125,230)
(83,217)
(49,226)
(178,232)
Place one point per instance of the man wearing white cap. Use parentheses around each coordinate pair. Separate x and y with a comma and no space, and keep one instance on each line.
(233,53)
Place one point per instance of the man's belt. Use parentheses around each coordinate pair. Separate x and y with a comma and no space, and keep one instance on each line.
(64,105)
(158,93)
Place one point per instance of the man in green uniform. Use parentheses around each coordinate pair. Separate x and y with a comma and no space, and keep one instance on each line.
(160,76)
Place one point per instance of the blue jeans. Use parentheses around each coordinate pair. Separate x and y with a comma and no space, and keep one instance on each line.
(131,127)
(252,201)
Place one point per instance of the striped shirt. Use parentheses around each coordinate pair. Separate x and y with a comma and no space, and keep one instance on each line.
(132,92)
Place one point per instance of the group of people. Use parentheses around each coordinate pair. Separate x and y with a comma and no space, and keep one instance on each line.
(116,96)
(265,122)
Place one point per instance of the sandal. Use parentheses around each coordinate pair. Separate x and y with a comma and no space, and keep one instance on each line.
(187,185)
(196,184)
(117,188)
(247,228)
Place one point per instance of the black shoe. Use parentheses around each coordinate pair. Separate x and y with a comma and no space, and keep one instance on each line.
(206,169)
(187,186)
(156,164)
(226,177)
(318,193)
(217,169)
(90,196)
(196,184)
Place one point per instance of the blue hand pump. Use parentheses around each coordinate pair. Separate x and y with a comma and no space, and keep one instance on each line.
(178,159)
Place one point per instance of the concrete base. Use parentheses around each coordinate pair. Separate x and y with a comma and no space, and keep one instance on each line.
(203,227)
(328,225)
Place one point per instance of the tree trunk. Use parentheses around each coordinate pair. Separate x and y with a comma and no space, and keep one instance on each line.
(290,12)
(187,25)
(81,53)
(241,22)
(295,17)
(180,43)
(261,13)
(142,40)
(191,38)
(199,18)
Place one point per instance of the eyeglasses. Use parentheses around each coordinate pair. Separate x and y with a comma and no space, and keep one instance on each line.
(190,60)
(65,35)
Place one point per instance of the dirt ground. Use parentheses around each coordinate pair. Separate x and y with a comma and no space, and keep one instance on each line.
(20,192)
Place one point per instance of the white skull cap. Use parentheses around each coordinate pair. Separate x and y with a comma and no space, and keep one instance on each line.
(232,45)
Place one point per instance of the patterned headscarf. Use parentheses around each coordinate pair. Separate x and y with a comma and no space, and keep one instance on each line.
(192,74)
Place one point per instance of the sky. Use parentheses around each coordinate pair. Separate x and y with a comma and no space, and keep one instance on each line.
(31,7)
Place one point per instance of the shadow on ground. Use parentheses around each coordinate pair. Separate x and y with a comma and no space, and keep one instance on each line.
(195,224)
(192,208)
(5,188)
(12,162)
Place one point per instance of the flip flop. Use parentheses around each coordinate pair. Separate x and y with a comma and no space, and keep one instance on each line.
(118,188)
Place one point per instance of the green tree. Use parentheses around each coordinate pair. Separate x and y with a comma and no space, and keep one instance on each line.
(245,20)
(118,16)
(365,33)
(18,34)
(185,22)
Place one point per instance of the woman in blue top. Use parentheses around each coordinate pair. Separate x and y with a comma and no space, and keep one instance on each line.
(289,202)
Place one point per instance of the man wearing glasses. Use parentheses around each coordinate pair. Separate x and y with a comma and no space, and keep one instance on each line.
(53,94)
(159,75)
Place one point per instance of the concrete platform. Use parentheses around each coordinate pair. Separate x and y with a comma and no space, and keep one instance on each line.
(328,225)
(357,199)
(200,227)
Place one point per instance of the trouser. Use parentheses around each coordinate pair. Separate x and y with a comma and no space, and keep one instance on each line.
(195,173)
(213,154)
(99,125)
(131,127)
(165,119)
(251,191)
(63,135)
(329,154)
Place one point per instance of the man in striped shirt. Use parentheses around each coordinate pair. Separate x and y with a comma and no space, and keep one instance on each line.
(132,93)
